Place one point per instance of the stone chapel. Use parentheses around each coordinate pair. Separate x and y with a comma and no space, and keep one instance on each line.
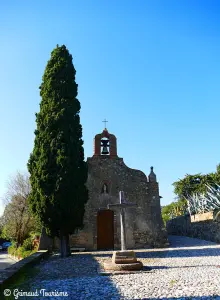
(107,175)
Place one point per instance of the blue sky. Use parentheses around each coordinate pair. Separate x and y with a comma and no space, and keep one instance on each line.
(152,68)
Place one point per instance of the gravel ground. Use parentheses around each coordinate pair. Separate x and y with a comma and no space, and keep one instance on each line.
(189,269)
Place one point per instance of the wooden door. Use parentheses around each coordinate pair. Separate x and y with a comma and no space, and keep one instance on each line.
(105,230)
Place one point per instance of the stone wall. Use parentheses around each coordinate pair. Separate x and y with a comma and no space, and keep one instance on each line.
(206,229)
(202,217)
(144,224)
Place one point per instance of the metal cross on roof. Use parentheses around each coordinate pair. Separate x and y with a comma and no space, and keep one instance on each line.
(105,122)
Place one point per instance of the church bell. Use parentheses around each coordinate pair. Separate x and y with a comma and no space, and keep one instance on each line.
(105,147)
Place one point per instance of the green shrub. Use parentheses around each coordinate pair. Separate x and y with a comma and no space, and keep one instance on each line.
(11,249)
(27,253)
(24,251)
(19,252)
(28,244)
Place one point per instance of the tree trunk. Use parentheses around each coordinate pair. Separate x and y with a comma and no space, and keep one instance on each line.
(68,245)
(64,245)
(19,239)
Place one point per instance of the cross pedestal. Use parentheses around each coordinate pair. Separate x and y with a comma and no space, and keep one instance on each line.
(123,260)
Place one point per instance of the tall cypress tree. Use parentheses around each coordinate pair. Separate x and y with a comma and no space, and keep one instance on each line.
(58,172)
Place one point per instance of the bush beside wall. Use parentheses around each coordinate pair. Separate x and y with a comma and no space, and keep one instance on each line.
(22,252)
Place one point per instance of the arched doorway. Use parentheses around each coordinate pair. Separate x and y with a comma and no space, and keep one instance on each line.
(105,230)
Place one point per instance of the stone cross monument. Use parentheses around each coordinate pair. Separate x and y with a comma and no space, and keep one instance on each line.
(124,260)
(122,206)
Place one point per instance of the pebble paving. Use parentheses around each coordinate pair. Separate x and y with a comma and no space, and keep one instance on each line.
(188,269)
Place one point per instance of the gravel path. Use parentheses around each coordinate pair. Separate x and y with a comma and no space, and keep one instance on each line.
(189,269)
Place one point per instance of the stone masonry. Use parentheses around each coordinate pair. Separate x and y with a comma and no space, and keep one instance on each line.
(203,226)
(107,175)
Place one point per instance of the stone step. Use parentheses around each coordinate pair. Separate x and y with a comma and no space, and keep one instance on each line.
(125,261)
(119,267)
(125,253)
(123,257)
(72,249)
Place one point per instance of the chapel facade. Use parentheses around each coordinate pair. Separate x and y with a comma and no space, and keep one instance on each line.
(107,175)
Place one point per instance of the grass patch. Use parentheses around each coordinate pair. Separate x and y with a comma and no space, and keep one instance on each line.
(173,282)
(23,277)
(21,281)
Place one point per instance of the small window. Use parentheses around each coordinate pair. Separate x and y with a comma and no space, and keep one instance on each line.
(104,189)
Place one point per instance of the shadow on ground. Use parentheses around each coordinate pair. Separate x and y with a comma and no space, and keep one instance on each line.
(185,241)
(181,267)
(179,253)
(76,275)
(211,297)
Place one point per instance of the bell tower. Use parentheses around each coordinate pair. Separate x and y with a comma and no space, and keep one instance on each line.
(105,144)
